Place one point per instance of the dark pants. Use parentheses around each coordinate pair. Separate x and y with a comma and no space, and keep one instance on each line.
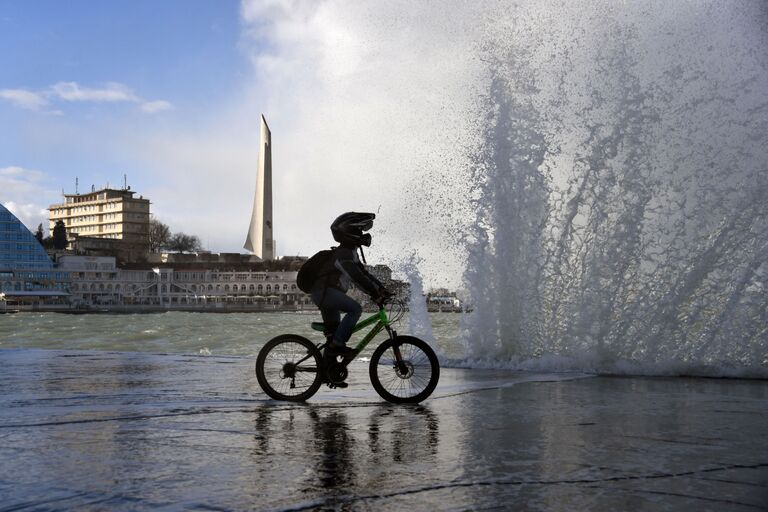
(332,303)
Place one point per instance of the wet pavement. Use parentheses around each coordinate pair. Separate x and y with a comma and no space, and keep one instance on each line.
(132,431)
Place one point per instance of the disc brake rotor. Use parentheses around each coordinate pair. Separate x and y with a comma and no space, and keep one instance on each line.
(404,370)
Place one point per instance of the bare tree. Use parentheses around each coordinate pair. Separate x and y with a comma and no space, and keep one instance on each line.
(159,235)
(181,242)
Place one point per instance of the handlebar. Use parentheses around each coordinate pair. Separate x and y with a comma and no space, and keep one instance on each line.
(384,298)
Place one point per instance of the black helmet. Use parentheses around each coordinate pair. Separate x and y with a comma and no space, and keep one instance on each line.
(348,228)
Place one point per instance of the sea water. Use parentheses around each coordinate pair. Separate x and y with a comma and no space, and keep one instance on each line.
(206,334)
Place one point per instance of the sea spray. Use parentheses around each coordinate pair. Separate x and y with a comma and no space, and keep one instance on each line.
(419,323)
(620,191)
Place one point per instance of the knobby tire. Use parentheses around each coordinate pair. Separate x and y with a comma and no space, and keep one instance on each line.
(411,384)
(272,360)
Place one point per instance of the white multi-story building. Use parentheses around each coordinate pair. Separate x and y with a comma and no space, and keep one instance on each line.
(107,213)
(96,280)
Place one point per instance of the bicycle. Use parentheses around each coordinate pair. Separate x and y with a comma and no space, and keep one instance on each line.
(403,369)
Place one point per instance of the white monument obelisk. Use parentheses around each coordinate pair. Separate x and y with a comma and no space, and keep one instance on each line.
(260,241)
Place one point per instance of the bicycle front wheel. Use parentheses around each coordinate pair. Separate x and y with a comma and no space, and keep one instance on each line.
(404,370)
(288,368)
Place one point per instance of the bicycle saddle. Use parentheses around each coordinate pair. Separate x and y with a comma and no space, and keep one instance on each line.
(318,326)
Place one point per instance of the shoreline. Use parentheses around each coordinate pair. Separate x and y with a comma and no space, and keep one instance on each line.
(128,310)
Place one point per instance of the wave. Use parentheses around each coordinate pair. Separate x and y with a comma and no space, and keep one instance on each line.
(619,190)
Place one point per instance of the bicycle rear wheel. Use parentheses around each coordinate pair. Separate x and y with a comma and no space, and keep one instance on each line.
(288,368)
(409,378)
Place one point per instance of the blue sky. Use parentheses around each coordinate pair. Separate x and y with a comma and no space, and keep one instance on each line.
(69,70)
(159,48)
(358,96)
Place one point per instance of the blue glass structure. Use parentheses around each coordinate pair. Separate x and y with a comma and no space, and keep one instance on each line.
(25,267)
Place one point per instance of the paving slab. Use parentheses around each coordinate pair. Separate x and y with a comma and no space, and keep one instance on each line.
(134,431)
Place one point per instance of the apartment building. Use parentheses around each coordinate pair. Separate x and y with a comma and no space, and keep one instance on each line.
(106,213)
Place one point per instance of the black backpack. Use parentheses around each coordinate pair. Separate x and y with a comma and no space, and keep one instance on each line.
(313,269)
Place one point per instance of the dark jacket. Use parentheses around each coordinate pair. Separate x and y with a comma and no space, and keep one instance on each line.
(345,268)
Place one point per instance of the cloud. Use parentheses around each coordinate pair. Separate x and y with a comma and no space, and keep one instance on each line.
(155,106)
(24,99)
(372,107)
(23,175)
(112,92)
(368,105)
(70,92)
(24,192)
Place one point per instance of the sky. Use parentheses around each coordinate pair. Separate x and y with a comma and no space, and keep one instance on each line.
(85,85)
(367,104)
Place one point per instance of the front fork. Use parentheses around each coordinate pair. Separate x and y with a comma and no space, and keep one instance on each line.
(399,362)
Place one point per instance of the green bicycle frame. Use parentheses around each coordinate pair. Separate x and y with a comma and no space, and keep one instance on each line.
(379,322)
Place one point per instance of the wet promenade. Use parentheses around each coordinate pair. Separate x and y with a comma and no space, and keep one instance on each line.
(131,431)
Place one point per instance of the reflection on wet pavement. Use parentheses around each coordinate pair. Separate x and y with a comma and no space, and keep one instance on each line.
(127,431)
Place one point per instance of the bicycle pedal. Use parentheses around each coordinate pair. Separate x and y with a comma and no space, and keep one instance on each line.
(340,385)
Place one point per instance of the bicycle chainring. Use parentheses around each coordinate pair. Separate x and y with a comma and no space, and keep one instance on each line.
(337,372)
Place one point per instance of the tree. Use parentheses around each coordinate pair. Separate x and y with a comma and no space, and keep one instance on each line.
(159,235)
(181,242)
(60,235)
(39,233)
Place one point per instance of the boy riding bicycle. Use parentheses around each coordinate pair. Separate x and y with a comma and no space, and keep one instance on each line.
(343,268)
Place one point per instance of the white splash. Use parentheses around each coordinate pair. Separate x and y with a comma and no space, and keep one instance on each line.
(419,323)
(620,190)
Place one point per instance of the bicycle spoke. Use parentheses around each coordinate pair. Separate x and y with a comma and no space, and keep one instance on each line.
(281,368)
(408,384)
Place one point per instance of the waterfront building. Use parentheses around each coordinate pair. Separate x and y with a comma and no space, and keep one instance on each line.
(443,299)
(27,273)
(106,213)
(98,281)
(260,240)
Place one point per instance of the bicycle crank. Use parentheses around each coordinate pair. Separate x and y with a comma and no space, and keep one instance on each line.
(336,373)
